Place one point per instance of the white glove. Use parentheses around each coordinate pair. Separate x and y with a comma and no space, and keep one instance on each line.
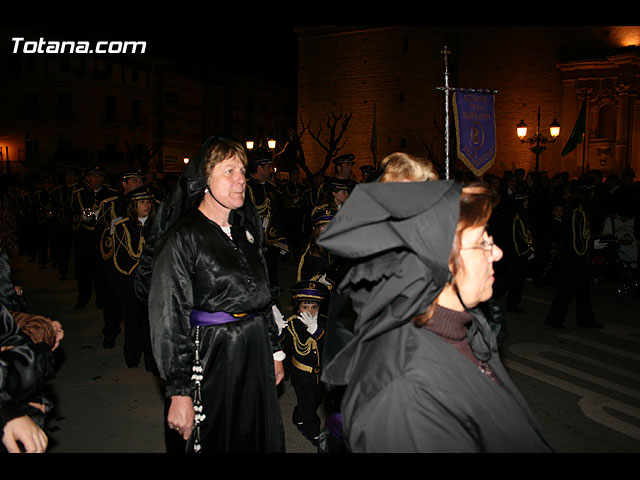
(598,244)
(279,318)
(323,279)
(310,321)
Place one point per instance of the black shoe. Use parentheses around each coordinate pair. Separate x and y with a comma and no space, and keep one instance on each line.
(108,343)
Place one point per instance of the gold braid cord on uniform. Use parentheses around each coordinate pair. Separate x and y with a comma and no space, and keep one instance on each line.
(122,240)
(302,348)
(264,210)
(582,232)
(44,210)
(263,207)
(524,233)
(106,245)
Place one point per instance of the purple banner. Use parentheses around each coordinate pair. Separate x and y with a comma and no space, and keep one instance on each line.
(475,129)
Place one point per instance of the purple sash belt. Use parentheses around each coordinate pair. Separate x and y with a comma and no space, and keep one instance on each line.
(200,318)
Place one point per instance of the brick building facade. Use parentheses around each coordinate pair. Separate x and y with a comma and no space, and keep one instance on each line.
(396,72)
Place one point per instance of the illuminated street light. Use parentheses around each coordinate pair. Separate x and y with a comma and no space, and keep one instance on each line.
(538,141)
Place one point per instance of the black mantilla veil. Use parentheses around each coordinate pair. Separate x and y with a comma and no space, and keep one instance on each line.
(185,197)
(399,236)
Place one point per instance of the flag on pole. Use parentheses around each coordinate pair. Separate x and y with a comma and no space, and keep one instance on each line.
(578,130)
(374,139)
(475,129)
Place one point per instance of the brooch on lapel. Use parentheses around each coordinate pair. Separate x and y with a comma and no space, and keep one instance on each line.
(249,236)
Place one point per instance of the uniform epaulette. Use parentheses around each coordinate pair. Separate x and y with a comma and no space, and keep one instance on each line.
(109,199)
(119,221)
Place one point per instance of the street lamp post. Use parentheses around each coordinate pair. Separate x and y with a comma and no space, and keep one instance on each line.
(538,141)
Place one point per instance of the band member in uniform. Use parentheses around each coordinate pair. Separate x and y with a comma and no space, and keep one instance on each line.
(336,193)
(112,210)
(265,196)
(302,336)
(343,166)
(310,199)
(64,218)
(115,208)
(128,238)
(291,191)
(316,261)
(517,240)
(575,266)
(85,206)
(367,173)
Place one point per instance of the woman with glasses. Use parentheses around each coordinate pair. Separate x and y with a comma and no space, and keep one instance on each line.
(422,372)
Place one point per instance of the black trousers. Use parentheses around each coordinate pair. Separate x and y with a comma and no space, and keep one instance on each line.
(89,268)
(45,241)
(309,394)
(112,312)
(574,282)
(122,306)
(64,244)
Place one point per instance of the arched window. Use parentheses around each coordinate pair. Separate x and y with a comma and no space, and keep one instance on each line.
(606,122)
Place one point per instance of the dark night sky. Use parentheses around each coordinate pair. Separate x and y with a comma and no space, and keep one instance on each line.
(269,52)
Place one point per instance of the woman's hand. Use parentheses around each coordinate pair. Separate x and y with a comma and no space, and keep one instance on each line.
(25,431)
(181,415)
(279,371)
(59,333)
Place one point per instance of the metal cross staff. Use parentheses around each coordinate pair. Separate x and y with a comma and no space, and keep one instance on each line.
(445,52)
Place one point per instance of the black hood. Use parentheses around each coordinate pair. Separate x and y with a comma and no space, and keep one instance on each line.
(399,237)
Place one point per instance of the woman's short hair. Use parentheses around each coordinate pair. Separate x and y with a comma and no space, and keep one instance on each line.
(403,167)
(477,201)
(221,150)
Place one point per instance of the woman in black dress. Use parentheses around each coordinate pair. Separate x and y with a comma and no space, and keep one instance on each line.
(210,307)
(422,370)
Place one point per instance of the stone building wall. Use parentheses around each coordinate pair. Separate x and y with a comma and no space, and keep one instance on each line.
(399,69)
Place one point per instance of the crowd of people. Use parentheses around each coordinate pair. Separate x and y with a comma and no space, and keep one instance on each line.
(189,270)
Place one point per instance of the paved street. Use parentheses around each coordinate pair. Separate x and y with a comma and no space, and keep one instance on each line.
(583,384)
(101,406)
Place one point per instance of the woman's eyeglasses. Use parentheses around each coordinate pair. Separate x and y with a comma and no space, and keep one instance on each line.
(486,245)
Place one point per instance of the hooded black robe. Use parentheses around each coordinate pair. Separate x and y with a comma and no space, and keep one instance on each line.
(407,389)
(190,263)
